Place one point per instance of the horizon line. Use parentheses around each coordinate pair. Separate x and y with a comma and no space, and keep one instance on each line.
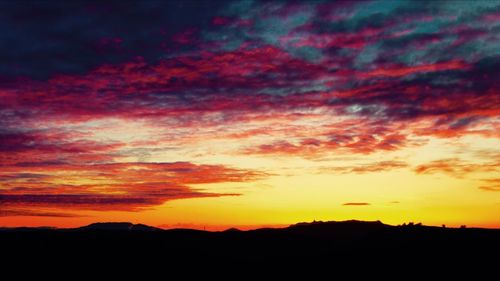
(249,227)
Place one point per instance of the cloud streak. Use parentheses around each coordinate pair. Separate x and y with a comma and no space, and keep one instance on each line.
(115,186)
(375,167)
(356,204)
(491,185)
(5,212)
(456,167)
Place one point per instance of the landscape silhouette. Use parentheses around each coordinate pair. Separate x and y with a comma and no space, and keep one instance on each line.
(347,243)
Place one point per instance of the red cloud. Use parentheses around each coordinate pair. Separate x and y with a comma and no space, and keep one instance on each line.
(256,83)
(407,70)
(358,136)
(8,212)
(115,186)
(220,20)
(51,146)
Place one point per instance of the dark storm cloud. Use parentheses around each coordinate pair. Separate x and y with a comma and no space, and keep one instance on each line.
(41,39)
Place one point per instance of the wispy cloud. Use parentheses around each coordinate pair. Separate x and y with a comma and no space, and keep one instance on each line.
(491,185)
(356,204)
(7,212)
(456,167)
(374,167)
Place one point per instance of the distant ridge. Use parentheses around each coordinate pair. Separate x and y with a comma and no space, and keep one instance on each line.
(314,226)
(347,222)
(118,226)
(232,229)
(317,242)
(128,226)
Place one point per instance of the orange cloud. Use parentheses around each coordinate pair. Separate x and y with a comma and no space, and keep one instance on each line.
(456,167)
(9,212)
(115,186)
(491,185)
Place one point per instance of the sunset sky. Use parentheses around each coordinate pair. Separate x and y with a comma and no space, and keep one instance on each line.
(213,114)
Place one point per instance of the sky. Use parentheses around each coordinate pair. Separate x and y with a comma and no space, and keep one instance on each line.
(214,114)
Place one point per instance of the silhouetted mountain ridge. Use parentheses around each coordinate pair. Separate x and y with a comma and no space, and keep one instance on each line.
(331,242)
(118,226)
(324,226)
(337,224)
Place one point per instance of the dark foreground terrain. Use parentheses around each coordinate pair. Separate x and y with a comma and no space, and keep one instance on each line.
(330,244)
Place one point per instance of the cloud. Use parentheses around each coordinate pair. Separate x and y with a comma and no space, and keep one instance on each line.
(444,98)
(201,81)
(81,32)
(456,167)
(22,176)
(359,136)
(116,186)
(356,204)
(50,141)
(491,185)
(51,147)
(374,167)
(408,70)
(6,212)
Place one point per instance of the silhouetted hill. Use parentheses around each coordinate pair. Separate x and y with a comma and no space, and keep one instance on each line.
(118,226)
(317,243)
(343,228)
(232,229)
